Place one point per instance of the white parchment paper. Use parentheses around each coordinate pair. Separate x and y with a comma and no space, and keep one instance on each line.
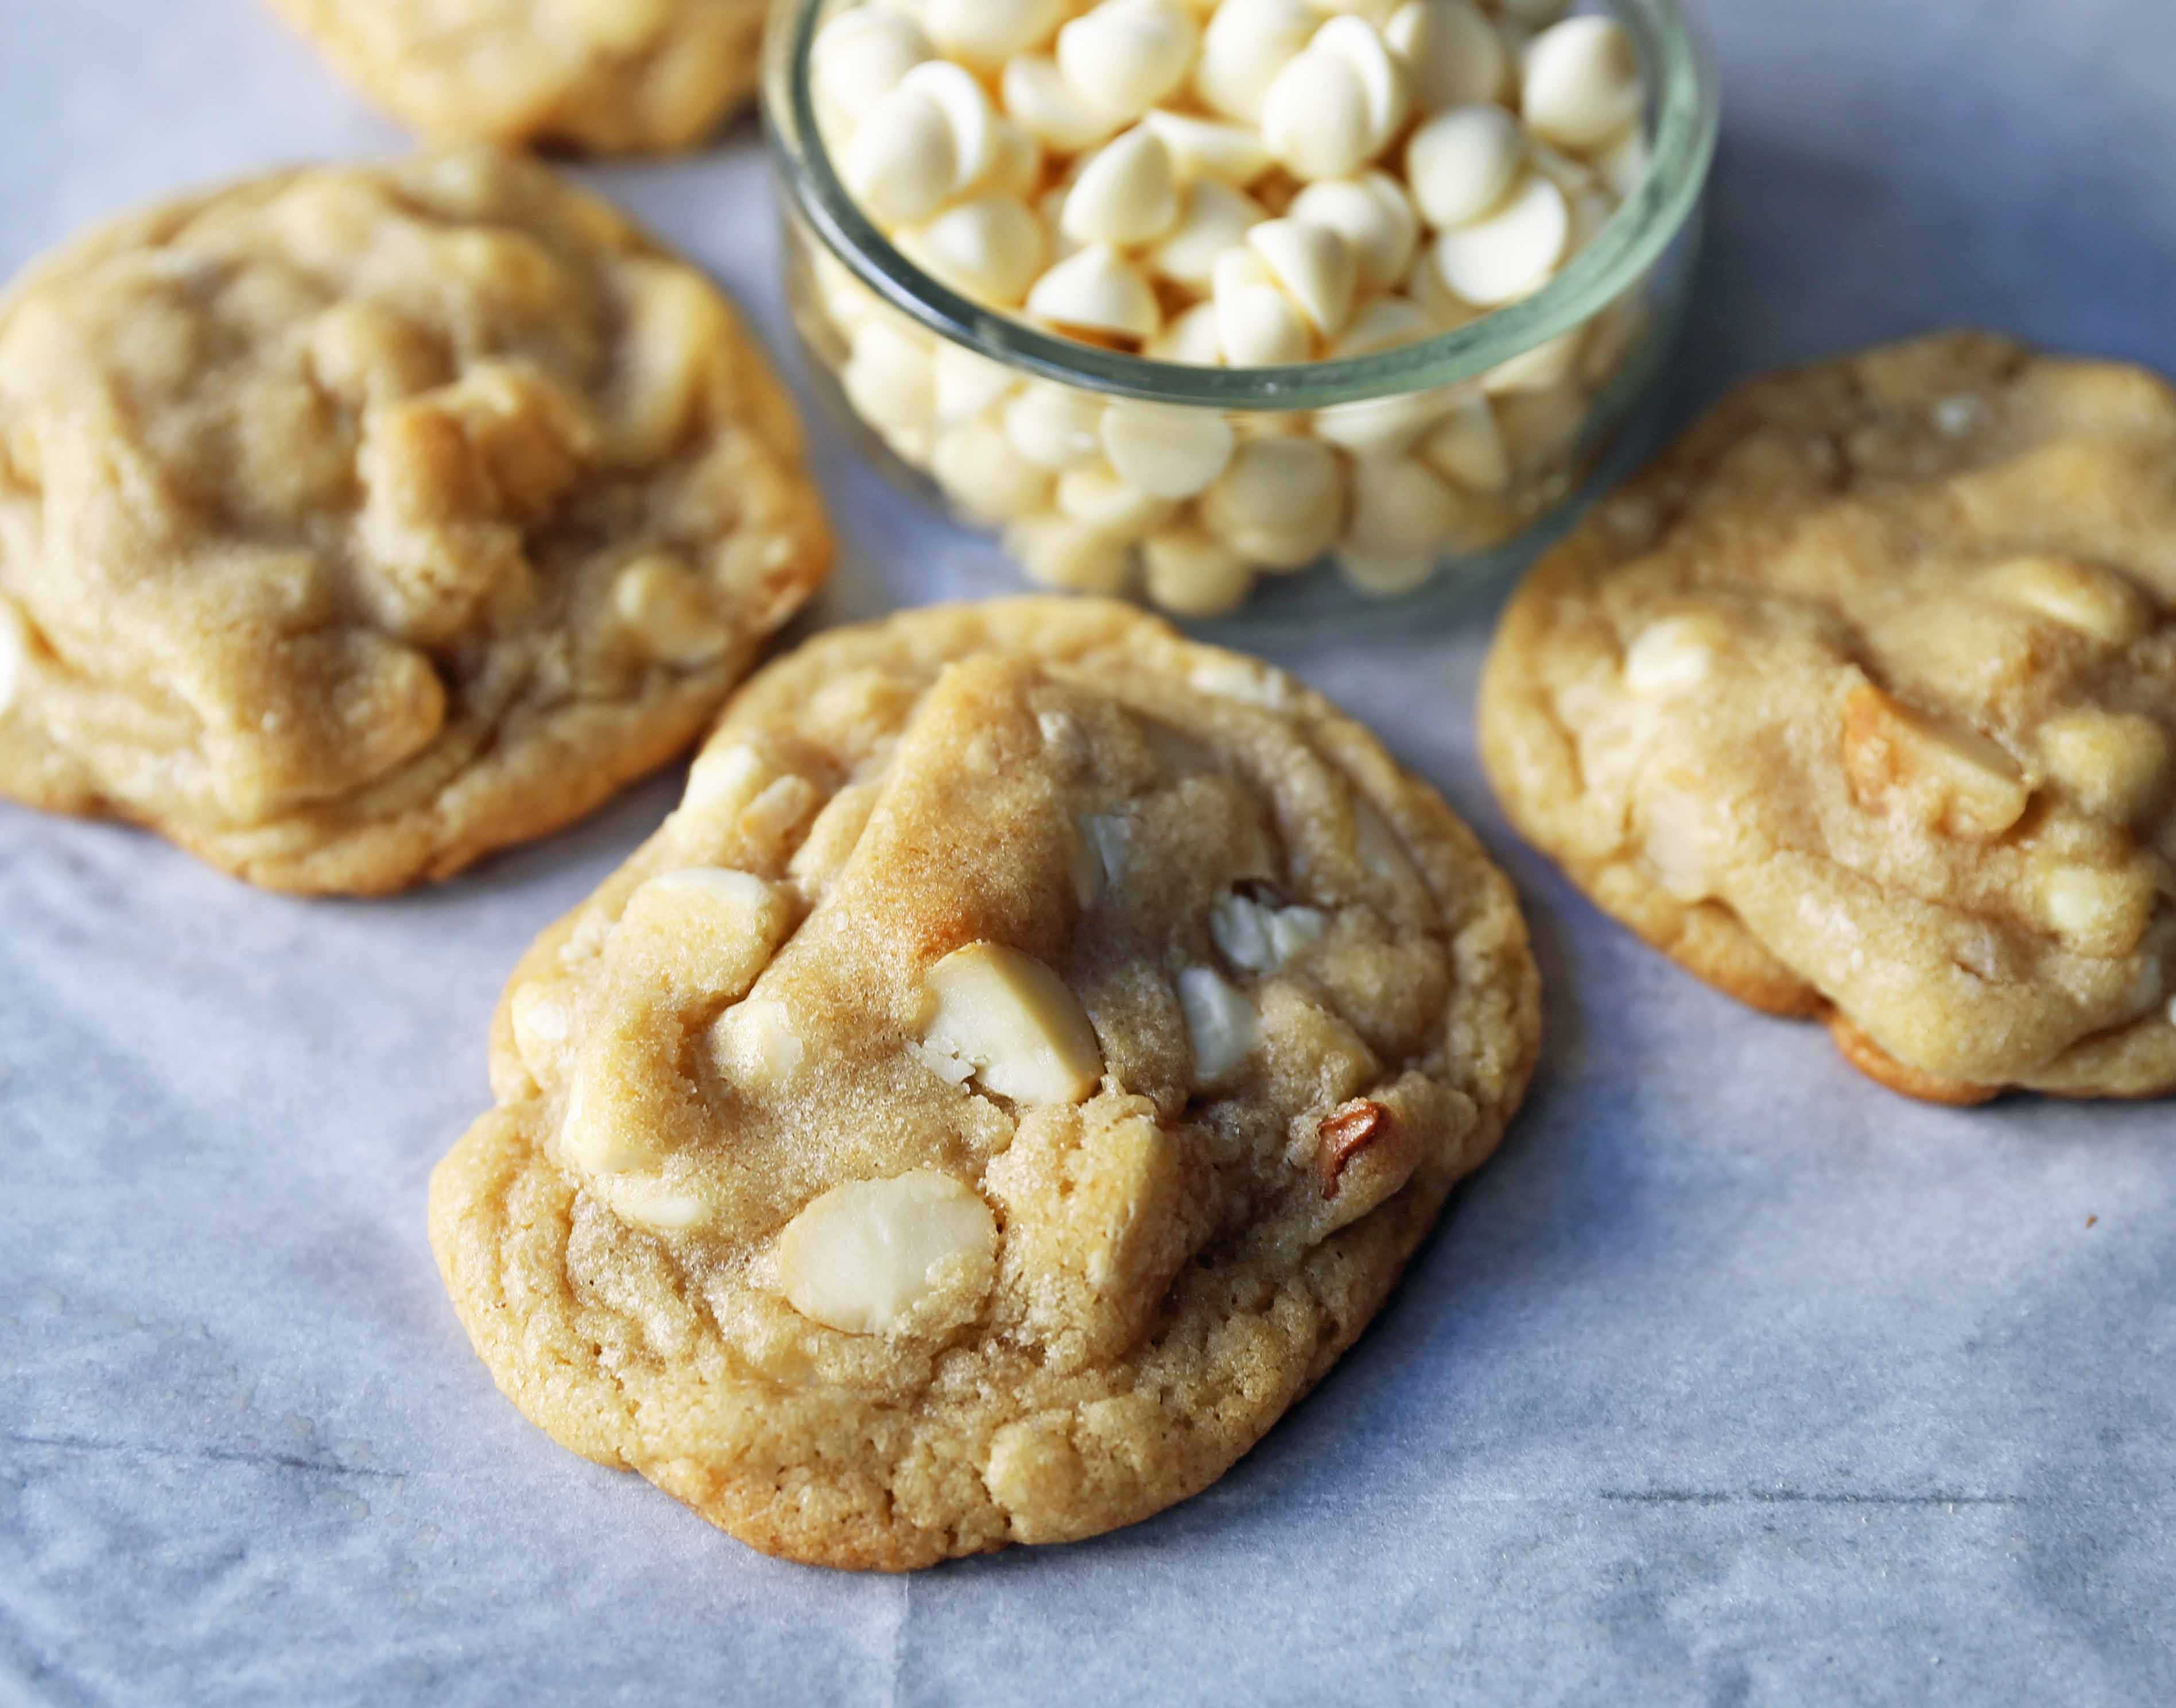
(1733,1380)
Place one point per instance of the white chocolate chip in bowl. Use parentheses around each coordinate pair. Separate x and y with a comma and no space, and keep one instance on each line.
(982,34)
(1334,107)
(1166,451)
(1258,325)
(1372,214)
(1580,83)
(1463,161)
(1453,56)
(1246,44)
(923,144)
(1467,447)
(1093,494)
(1193,573)
(915,1254)
(1013,1022)
(1280,502)
(1038,98)
(1210,148)
(1510,252)
(1097,291)
(991,248)
(859,58)
(964,384)
(1054,427)
(1127,55)
(1314,265)
(986,478)
(1127,191)
(1073,557)
(1213,217)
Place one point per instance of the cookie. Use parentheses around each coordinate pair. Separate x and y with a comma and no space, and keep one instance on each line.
(609,76)
(1860,703)
(355,522)
(1012,1077)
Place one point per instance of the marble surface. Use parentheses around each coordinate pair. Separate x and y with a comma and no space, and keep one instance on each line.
(1733,1380)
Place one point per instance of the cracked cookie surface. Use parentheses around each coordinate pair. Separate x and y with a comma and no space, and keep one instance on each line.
(1861,703)
(355,522)
(1013,1075)
(609,76)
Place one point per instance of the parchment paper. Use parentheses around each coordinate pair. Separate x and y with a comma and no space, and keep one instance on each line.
(1733,1380)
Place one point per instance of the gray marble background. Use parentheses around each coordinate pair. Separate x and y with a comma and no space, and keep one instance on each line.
(1733,1380)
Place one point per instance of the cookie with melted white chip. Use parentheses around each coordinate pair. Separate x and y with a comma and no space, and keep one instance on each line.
(610,76)
(356,521)
(1012,1077)
(1861,704)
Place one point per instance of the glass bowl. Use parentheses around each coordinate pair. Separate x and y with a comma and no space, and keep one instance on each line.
(1444,462)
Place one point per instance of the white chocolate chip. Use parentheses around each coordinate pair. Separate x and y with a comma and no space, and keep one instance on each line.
(1213,218)
(1097,290)
(1581,83)
(2094,602)
(756,1043)
(2097,912)
(1193,573)
(15,655)
(1383,324)
(1127,191)
(875,1256)
(983,34)
(2116,764)
(965,384)
(1057,551)
(1015,1021)
(538,1017)
(1670,656)
(1312,265)
(1054,427)
(1509,252)
(658,600)
(1373,215)
(1127,55)
(723,781)
(1208,147)
(1256,938)
(1452,56)
(1247,43)
(1280,502)
(1467,447)
(1401,505)
(1038,98)
(1376,428)
(888,378)
(990,248)
(1385,573)
(651,1204)
(1622,165)
(1463,161)
(859,58)
(985,477)
(1192,337)
(1102,838)
(1222,1026)
(923,143)
(1166,451)
(1257,324)
(1229,677)
(1092,494)
(1332,109)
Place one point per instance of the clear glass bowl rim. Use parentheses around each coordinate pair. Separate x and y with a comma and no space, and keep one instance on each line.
(1686,107)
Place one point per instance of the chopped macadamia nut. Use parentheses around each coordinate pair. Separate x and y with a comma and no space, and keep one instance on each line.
(1013,1022)
(913,1254)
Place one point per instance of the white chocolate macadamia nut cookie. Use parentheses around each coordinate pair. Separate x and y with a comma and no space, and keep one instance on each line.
(611,76)
(1013,1075)
(355,522)
(1861,703)
(1243,184)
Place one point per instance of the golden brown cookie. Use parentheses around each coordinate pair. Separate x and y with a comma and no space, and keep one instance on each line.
(1012,1077)
(611,76)
(355,522)
(1861,703)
